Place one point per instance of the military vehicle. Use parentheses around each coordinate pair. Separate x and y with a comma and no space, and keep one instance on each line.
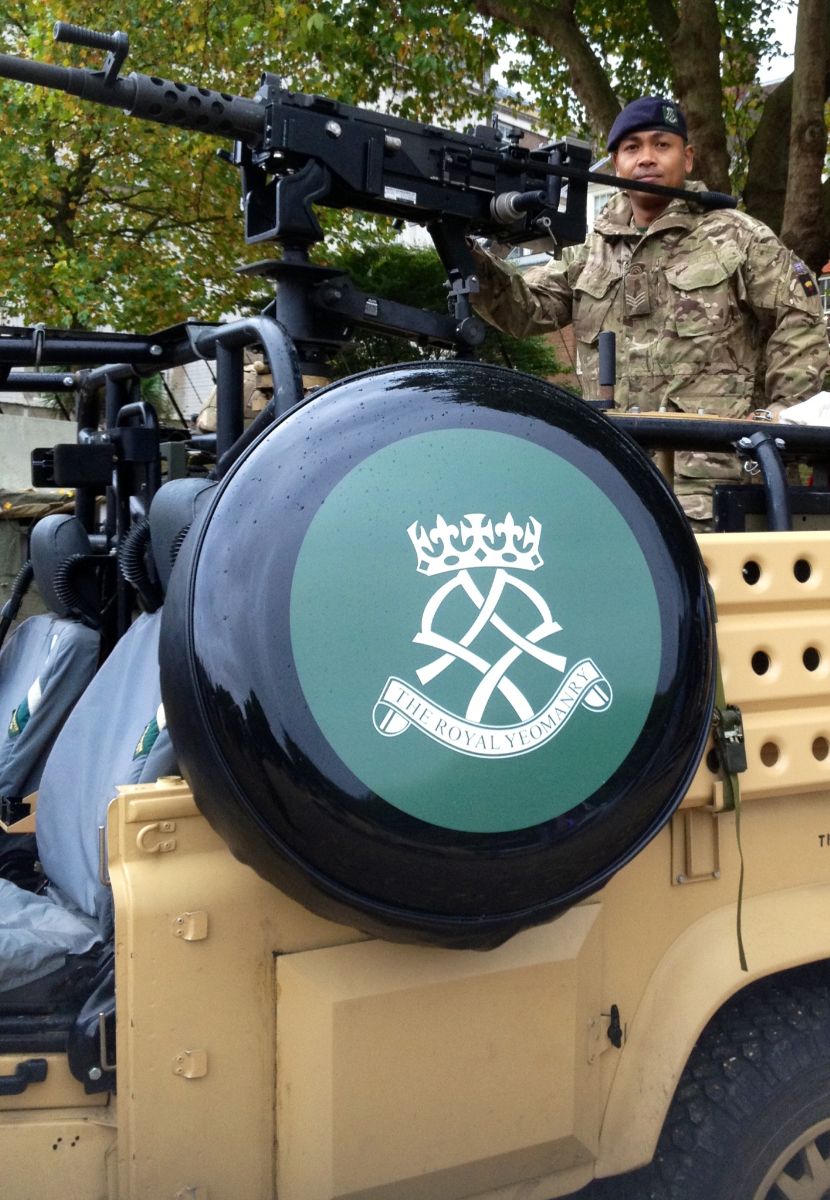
(451,822)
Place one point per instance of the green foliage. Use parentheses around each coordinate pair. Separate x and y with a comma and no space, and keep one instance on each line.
(414,276)
(108,220)
(423,58)
(114,221)
(632,50)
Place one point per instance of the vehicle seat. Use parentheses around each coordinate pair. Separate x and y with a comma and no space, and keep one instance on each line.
(49,659)
(51,943)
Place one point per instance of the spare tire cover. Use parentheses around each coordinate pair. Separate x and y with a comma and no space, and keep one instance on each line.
(439,658)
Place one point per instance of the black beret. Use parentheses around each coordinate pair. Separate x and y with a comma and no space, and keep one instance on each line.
(649,112)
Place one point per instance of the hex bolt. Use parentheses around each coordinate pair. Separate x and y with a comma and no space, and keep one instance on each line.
(95,1073)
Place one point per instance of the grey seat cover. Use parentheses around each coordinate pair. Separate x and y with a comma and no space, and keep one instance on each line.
(37,933)
(115,735)
(118,718)
(45,664)
(48,660)
(97,750)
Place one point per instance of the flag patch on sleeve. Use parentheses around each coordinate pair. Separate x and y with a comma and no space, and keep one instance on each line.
(804,277)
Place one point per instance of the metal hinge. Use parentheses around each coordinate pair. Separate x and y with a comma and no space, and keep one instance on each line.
(695,841)
(604,1032)
(191,926)
(191,1064)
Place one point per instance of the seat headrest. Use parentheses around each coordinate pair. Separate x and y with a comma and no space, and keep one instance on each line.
(55,544)
(172,512)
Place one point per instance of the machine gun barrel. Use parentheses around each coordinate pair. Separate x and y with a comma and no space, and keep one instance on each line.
(148,97)
(295,151)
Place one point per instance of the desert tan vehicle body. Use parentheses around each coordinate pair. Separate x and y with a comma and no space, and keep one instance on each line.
(265,1052)
(475,957)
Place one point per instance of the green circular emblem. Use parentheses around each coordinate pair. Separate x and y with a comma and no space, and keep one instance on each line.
(475,629)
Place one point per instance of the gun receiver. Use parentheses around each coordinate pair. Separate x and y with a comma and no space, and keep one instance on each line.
(295,151)
(366,160)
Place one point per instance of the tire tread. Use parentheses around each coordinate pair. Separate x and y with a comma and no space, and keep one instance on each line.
(763,1038)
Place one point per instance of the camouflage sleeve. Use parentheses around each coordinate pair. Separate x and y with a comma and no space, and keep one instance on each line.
(523,305)
(782,289)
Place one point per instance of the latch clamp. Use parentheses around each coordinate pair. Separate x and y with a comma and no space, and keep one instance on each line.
(728,729)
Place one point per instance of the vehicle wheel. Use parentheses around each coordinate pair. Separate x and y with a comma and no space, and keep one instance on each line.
(750,1119)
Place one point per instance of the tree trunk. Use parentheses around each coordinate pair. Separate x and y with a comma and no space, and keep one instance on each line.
(803,227)
(555,24)
(694,48)
(690,28)
(769,151)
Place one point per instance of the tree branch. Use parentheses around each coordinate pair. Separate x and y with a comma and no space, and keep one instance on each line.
(694,48)
(769,149)
(555,24)
(663,16)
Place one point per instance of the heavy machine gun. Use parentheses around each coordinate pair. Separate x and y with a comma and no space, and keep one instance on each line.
(295,151)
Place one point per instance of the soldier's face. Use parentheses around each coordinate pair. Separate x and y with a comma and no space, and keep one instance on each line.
(654,156)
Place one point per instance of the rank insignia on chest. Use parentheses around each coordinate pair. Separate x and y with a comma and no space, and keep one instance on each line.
(636,291)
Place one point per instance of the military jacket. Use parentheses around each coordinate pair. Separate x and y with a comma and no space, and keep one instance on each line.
(701,303)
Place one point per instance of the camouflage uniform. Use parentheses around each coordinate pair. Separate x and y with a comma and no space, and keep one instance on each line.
(701,304)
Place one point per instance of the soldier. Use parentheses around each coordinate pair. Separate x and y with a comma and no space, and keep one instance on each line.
(701,301)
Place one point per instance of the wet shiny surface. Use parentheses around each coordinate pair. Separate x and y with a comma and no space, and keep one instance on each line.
(262,769)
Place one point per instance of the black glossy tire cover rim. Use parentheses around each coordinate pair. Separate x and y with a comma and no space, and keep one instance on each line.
(439,658)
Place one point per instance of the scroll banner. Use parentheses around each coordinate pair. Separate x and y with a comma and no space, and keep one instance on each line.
(401,705)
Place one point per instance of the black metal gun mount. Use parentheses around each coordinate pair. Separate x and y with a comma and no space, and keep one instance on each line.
(294,151)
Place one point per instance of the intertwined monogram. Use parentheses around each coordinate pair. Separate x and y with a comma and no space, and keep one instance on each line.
(494,674)
(474,543)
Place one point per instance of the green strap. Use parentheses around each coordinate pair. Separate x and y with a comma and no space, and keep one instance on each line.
(732,797)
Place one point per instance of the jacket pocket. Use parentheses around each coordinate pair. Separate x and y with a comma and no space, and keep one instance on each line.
(699,297)
(593,294)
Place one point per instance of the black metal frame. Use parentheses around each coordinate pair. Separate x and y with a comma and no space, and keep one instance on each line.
(294,151)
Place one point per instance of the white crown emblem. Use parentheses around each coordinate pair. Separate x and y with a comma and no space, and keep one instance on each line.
(476,542)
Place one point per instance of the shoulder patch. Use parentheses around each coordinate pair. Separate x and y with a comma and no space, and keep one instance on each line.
(147,740)
(150,733)
(19,719)
(805,277)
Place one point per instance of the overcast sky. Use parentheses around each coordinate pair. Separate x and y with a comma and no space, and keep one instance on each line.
(778,68)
